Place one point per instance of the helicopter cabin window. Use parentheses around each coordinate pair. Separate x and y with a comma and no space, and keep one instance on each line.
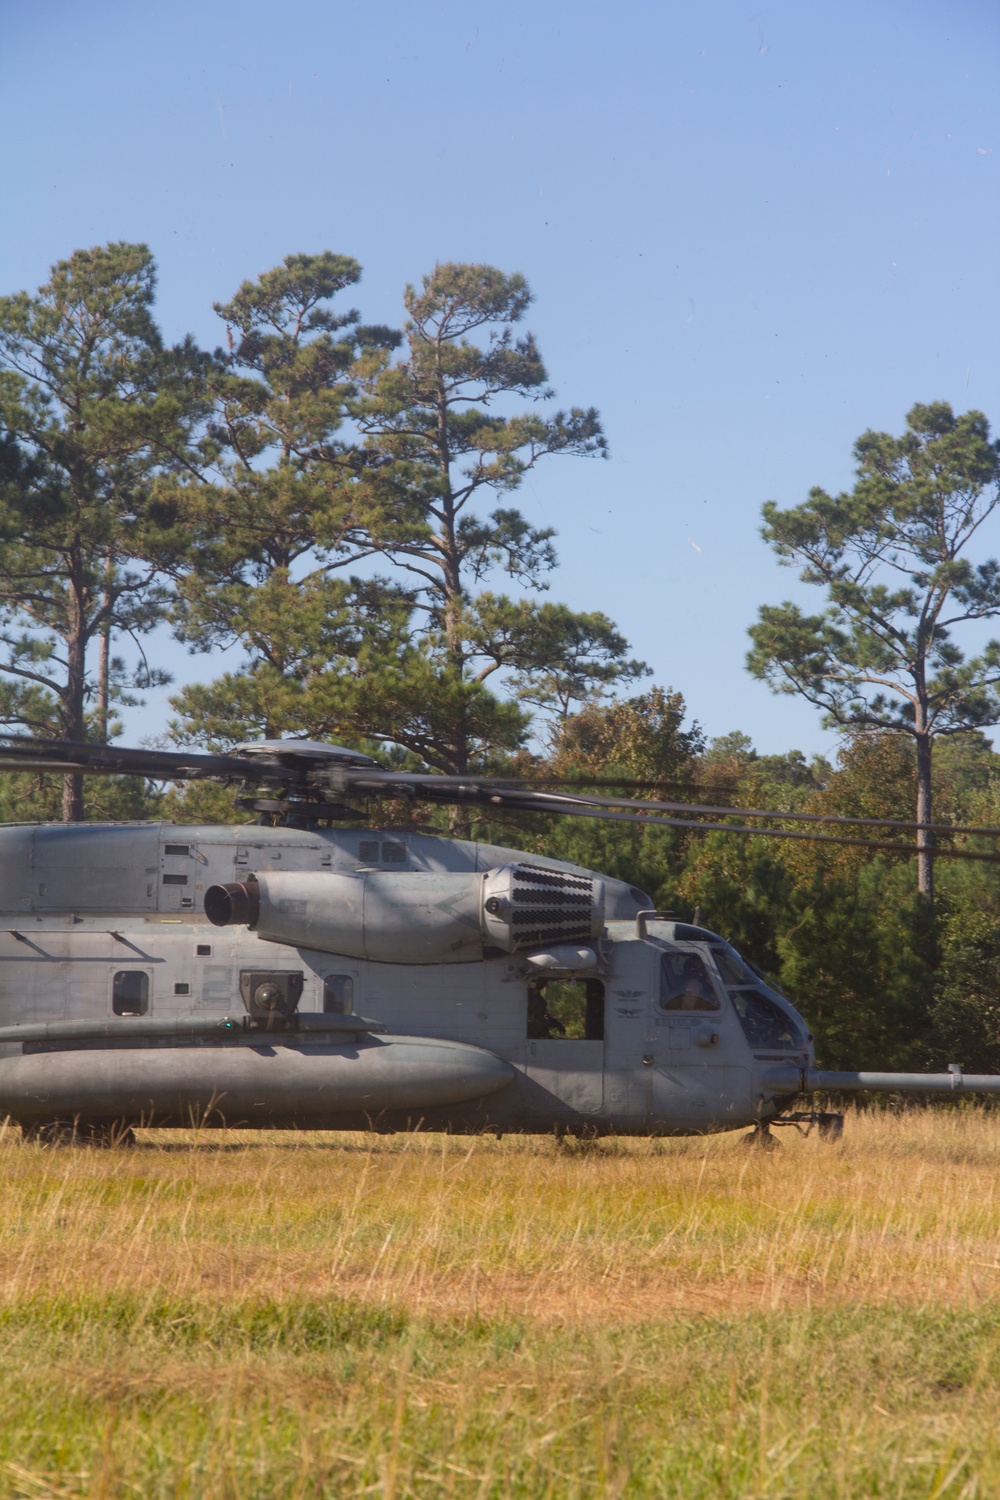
(368,850)
(764,1023)
(684,984)
(338,995)
(393,853)
(130,992)
(569,1010)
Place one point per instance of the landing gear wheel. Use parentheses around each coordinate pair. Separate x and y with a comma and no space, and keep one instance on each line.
(112,1134)
(830,1126)
(760,1139)
(50,1132)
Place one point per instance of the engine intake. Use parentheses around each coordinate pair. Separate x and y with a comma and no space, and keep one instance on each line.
(526,906)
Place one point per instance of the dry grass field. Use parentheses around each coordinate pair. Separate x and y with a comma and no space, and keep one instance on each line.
(210,1316)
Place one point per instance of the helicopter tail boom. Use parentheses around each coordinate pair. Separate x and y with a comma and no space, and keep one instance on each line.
(786,1079)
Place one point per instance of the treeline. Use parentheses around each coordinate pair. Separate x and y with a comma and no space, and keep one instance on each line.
(335,499)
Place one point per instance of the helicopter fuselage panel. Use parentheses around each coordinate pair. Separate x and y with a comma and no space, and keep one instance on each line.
(107,925)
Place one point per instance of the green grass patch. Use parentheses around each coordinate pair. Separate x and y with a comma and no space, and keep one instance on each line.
(167,1396)
(445,1318)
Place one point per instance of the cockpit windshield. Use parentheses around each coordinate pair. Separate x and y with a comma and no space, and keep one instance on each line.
(731,966)
(765,1024)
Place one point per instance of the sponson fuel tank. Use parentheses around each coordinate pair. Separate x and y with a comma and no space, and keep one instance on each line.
(300,1082)
(424,918)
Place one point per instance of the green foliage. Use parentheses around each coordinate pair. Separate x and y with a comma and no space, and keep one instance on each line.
(742,888)
(965,1015)
(858,955)
(32,798)
(271,512)
(93,407)
(891,557)
(326,449)
(434,444)
(203,802)
(641,738)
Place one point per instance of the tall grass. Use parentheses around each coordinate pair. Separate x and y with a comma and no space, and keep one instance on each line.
(391,1316)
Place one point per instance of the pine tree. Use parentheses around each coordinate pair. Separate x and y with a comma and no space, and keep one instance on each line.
(271,511)
(891,555)
(93,407)
(437,441)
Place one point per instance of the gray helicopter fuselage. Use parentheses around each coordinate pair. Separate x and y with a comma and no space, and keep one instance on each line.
(652,1026)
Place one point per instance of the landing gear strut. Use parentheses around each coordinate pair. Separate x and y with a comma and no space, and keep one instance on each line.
(829,1125)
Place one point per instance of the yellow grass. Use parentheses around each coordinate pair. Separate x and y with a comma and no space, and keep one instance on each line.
(255,1316)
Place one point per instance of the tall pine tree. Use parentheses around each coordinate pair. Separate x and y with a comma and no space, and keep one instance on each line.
(437,441)
(271,511)
(93,407)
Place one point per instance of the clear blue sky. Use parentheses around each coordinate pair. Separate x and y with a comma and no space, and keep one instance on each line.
(752,234)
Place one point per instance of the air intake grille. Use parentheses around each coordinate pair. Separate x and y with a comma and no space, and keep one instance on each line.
(550,906)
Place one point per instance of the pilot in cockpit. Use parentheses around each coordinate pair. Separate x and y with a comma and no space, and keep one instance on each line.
(684,984)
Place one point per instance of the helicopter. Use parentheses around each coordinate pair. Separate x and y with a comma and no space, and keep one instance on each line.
(301,973)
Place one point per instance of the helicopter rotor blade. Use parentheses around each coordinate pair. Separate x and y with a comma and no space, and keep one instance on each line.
(795,817)
(306,771)
(293,764)
(70,758)
(620,816)
(453,790)
(485,790)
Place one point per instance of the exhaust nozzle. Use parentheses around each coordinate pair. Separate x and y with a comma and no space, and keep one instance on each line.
(233,905)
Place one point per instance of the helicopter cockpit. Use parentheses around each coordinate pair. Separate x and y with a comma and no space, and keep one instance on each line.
(699,981)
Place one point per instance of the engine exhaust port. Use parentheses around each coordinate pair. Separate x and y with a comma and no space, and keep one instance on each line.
(233,905)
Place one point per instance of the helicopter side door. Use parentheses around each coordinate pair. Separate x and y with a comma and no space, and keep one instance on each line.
(694,1057)
(626,1080)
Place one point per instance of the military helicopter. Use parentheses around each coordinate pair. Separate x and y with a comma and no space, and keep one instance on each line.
(300,973)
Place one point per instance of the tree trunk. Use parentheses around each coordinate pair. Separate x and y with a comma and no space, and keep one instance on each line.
(925,839)
(104,657)
(73,696)
(73,728)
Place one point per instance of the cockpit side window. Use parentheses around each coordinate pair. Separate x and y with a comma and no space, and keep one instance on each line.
(684,984)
